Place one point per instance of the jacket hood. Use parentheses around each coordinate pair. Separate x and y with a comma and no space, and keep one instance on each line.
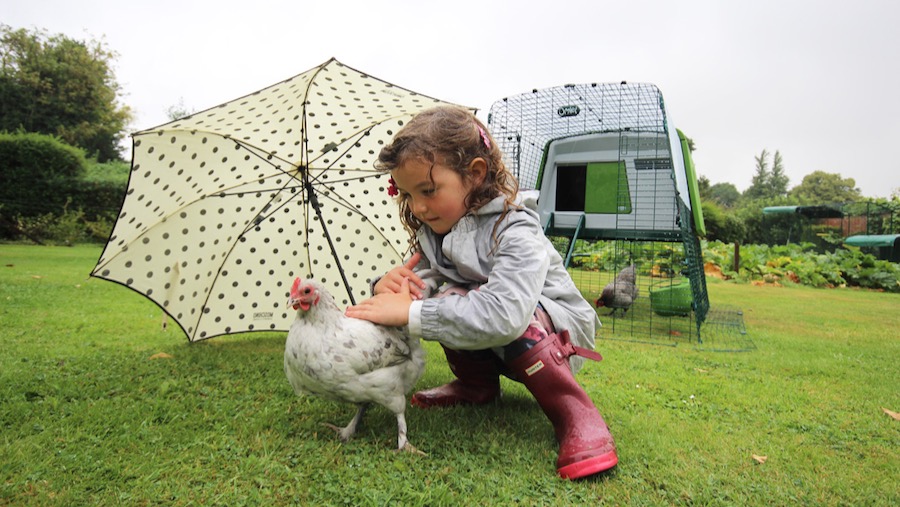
(527,199)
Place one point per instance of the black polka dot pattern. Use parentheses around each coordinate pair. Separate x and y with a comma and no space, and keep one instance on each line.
(219,214)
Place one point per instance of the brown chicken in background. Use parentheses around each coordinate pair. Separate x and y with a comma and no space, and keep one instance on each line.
(620,293)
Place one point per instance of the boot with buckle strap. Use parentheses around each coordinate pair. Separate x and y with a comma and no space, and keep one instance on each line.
(586,446)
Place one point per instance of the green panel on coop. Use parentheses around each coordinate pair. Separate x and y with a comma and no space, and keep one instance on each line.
(606,188)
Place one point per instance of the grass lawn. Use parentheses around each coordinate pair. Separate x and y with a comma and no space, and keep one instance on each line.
(88,416)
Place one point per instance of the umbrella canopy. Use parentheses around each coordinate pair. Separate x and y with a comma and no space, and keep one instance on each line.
(226,206)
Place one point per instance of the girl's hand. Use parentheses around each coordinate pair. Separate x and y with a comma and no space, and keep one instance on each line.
(387,309)
(395,279)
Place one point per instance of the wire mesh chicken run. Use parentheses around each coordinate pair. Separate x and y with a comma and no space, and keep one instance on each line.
(617,188)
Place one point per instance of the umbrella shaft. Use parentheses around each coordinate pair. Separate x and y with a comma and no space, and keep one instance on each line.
(314,200)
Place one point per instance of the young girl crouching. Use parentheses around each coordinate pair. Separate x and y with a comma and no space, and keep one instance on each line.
(486,284)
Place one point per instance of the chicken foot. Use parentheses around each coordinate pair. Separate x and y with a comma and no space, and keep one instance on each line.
(403,444)
(350,430)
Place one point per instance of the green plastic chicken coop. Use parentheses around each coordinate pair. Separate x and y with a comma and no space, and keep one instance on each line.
(617,187)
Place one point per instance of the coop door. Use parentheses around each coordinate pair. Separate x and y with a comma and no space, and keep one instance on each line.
(600,187)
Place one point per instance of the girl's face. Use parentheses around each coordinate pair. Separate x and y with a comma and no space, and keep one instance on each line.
(438,200)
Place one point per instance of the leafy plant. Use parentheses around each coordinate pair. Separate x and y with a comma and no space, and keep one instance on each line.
(67,229)
(802,264)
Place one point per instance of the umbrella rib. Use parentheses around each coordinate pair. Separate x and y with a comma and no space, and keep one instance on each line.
(346,205)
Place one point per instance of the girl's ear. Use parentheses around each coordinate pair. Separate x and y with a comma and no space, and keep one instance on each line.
(478,170)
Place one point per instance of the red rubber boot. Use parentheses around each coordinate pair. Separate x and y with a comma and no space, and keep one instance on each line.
(477,381)
(585,444)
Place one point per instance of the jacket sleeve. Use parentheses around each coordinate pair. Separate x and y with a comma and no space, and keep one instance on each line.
(499,311)
(433,278)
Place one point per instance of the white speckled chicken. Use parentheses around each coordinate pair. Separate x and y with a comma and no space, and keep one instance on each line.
(330,355)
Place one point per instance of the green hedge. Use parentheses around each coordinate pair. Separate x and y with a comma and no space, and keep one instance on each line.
(47,186)
(38,172)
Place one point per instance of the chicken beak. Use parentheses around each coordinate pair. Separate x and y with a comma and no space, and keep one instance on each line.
(298,303)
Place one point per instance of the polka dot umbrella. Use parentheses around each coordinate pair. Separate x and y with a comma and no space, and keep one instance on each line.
(225,207)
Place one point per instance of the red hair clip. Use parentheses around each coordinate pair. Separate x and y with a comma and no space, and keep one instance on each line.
(484,136)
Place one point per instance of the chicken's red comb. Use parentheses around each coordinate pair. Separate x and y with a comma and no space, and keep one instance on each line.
(296,286)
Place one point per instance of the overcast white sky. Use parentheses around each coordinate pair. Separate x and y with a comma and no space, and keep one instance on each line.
(818,81)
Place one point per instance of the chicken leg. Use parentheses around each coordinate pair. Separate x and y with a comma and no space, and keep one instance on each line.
(402,443)
(350,430)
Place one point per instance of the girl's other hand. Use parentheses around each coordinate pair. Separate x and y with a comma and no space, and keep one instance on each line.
(387,309)
(395,279)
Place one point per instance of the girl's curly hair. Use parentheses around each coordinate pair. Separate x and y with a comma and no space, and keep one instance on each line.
(454,137)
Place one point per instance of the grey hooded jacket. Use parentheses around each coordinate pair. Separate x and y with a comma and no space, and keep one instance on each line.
(513,272)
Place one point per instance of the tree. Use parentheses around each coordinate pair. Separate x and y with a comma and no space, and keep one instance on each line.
(725,194)
(64,87)
(691,146)
(819,187)
(721,225)
(760,180)
(703,187)
(767,184)
(778,180)
(179,110)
